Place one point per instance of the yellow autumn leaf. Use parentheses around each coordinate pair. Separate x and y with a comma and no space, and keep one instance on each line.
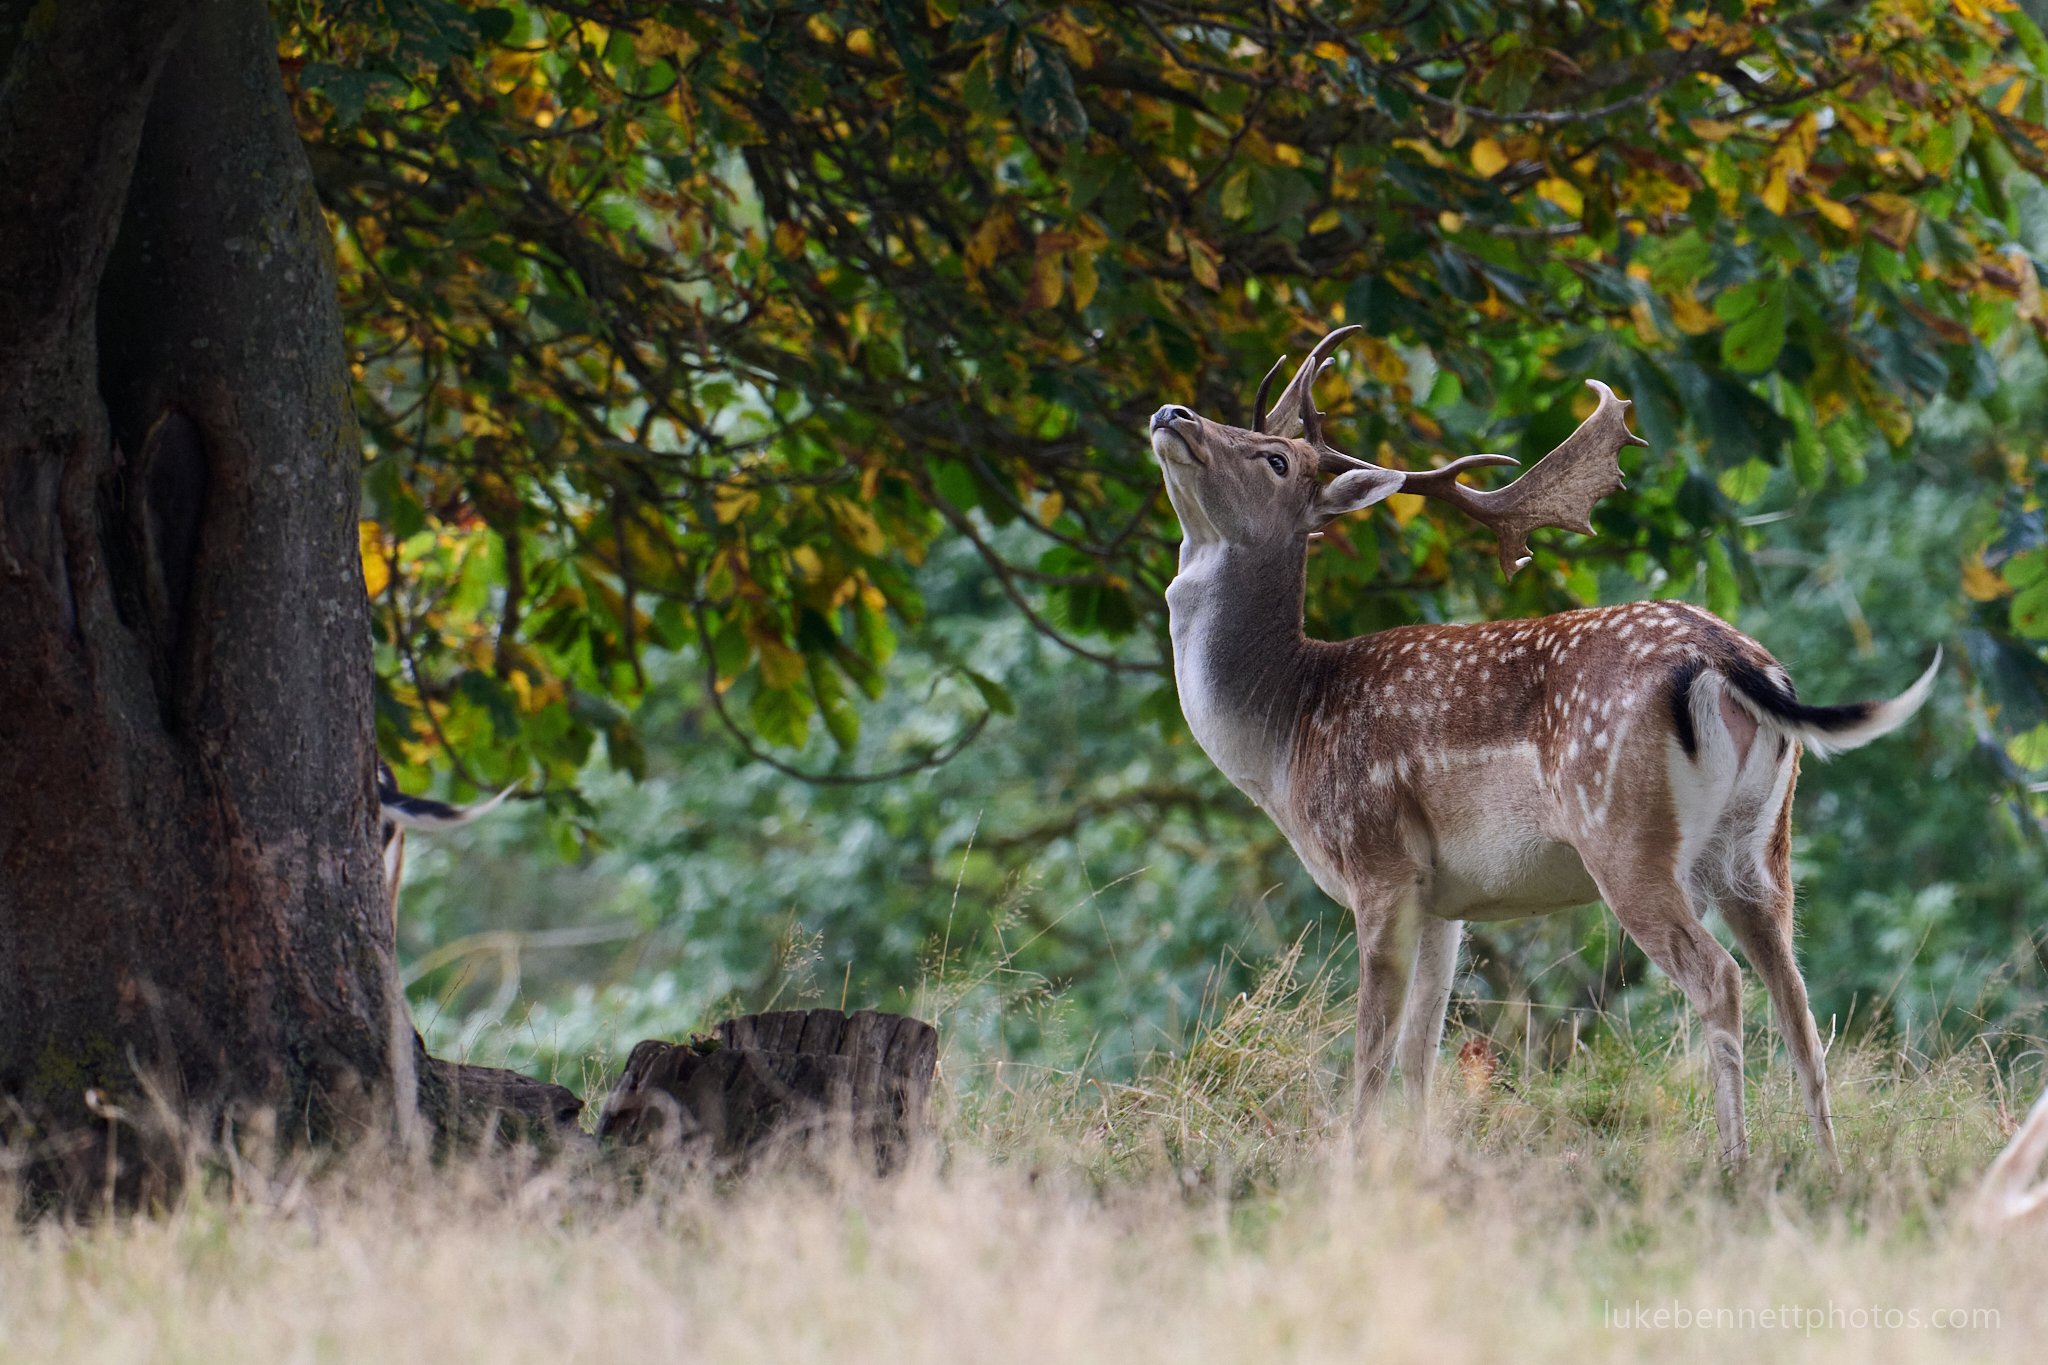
(1324,221)
(1048,279)
(1689,315)
(1202,264)
(1980,11)
(1980,582)
(1450,222)
(1834,210)
(731,502)
(1562,193)
(1789,158)
(1331,52)
(789,239)
(1383,360)
(860,528)
(1777,193)
(989,239)
(1894,423)
(1488,158)
(2014,93)
(1406,507)
(1081,278)
(861,43)
(1050,507)
(376,565)
(1075,40)
(1645,322)
(1712,129)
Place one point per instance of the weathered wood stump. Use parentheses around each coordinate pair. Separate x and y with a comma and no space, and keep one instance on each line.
(488,1106)
(779,1080)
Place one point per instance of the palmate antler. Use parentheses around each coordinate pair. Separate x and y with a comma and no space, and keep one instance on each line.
(1558,490)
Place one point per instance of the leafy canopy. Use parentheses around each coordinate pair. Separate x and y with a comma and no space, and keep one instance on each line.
(691,328)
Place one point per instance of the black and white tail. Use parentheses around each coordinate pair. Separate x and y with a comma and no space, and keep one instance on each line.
(1826,730)
(402,812)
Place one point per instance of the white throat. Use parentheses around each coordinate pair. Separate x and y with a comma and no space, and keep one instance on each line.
(1235,617)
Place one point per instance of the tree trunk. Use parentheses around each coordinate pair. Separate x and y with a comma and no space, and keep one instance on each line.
(190,912)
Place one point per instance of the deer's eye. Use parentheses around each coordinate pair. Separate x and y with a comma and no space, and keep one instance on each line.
(1278,463)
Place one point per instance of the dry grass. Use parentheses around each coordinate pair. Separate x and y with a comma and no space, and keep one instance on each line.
(1212,1211)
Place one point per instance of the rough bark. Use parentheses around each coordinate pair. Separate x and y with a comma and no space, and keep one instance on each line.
(189,886)
(774,1081)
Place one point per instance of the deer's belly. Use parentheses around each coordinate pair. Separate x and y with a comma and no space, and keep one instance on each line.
(1492,851)
(1484,878)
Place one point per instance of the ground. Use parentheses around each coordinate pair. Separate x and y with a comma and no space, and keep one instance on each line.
(1213,1210)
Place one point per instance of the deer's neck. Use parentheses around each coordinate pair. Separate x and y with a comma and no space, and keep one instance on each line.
(1239,657)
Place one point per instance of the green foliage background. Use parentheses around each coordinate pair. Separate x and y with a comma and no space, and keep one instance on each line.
(753,392)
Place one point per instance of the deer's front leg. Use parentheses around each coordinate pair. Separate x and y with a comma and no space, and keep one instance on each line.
(1429,996)
(1386,914)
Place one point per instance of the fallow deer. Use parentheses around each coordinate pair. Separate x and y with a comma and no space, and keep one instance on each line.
(402,812)
(2013,1192)
(1642,755)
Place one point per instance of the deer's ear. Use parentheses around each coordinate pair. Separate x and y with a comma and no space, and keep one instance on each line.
(1349,491)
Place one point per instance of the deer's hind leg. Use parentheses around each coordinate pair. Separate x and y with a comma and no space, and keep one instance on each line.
(1639,880)
(1757,903)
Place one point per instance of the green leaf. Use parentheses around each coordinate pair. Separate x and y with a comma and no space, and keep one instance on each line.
(876,638)
(494,25)
(828,687)
(1724,593)
(2030,611)
(782,715)
(2026,568)
(1809,455)
(1745,483)
(994,693)
(1755,338)
(1045,94)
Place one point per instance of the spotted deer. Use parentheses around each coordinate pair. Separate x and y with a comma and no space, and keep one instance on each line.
(1642,755)
(2014,1191)
(402,812)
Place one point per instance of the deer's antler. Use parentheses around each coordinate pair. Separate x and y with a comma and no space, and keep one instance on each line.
(1559,489)
(1297,401)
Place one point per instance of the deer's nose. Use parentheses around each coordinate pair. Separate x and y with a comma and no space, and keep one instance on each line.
(1172,412)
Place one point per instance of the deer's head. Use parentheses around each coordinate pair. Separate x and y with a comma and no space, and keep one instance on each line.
(1280,479)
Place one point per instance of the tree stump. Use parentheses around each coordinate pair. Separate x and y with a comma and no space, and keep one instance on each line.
(779,1080)
(489,1106)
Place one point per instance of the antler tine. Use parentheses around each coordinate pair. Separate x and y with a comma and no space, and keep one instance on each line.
(1259,408)
(1427,482)
(1296,399)
(1559,490)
